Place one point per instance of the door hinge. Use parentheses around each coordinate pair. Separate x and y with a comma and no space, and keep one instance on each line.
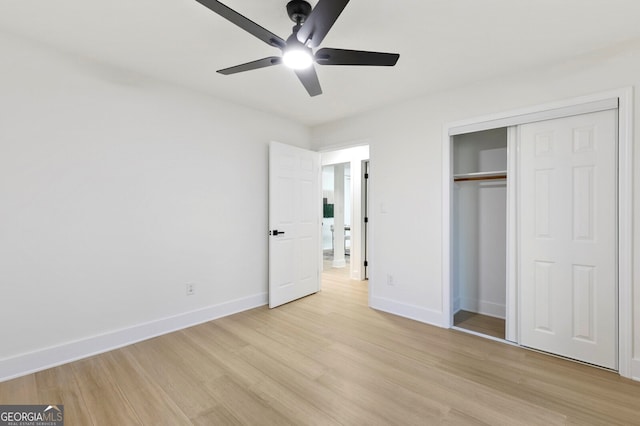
(366,175)
(366,220)
(366,263)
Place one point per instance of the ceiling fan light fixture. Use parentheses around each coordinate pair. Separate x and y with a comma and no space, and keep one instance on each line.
(297,58)
(299,49)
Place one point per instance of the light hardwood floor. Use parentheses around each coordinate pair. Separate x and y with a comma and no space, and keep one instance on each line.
(327,360)
(484,324)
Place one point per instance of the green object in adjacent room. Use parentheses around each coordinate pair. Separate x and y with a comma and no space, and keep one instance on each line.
(328,210)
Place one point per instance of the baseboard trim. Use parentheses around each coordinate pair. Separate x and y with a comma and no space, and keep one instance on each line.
(635,369)
(406,310)
(43,359)
(485,308)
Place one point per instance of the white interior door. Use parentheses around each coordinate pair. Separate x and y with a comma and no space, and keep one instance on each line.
(567,232)
(294,223)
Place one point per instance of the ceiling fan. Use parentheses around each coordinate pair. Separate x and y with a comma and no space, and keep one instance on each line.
(311,27)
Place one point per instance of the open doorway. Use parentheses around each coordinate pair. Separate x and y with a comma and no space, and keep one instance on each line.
(344,239)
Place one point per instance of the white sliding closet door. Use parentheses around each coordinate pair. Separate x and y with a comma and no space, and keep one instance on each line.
(567,231)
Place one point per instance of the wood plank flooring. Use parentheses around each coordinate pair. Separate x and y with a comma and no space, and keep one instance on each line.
(328,359)
(484,324)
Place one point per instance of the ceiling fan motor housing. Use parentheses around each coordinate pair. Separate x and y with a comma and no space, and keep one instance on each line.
(298,10)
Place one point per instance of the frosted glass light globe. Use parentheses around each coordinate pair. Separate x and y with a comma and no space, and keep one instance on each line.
(297,59)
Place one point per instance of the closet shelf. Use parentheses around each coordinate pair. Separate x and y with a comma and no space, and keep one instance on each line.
(500,174)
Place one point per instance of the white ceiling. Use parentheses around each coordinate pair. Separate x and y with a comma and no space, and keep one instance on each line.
(442,44)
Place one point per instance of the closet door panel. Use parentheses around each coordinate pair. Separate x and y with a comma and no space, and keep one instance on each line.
(567,236)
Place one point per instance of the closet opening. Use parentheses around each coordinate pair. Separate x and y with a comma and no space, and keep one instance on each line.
(553,153)
(479,231)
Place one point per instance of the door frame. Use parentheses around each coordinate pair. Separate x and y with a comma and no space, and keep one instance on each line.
(624,99)
(364,240)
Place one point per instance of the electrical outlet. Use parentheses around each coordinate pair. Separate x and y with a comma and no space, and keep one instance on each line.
(390,280)
(191,289)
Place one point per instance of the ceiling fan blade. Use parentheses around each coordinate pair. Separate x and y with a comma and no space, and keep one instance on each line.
(254,65)
(319,22)
(245,23)
(328,56)
(310,81)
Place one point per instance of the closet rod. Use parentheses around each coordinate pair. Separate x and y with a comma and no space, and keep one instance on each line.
(472,178)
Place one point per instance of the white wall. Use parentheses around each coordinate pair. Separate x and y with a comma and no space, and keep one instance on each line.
(406,162)
(479,234)
(116,191)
